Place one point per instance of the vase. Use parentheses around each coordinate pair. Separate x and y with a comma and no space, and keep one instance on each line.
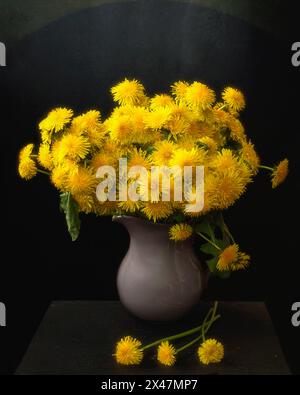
(158,279)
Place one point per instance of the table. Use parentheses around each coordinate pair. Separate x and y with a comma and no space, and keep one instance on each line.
(78,337)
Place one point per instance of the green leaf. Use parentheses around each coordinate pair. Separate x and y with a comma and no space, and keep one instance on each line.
(222,244)
(204,227)
(209,249)
(212,263)
(70,208)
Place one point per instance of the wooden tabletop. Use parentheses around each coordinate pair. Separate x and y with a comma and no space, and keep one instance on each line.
(78,337)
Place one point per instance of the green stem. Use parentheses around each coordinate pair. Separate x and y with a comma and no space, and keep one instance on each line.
(204,330)
(197,338)
(174,337)
(226,229)
(43,172)
(266,167)
(211,233)
(189,344)
(182,334)
(203,327)
(209,241)
(224,106)
(213,316)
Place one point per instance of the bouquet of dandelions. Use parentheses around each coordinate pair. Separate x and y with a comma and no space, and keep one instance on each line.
(188,129)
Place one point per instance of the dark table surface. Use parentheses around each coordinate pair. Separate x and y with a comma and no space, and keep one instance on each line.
(78,337)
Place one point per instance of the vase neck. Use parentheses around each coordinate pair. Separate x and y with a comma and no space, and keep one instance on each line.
(136,226)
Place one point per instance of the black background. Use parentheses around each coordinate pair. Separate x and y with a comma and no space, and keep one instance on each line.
(73,62)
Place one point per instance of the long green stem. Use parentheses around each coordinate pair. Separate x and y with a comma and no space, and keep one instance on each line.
(202,336)
(211,232)
(183,334)
(43,172)
(205,328)
(213,316)
(209,241)
(226,229)
(266,167)
(207,319)
(174,337)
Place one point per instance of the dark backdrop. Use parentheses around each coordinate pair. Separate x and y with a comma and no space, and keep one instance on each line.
(72,61)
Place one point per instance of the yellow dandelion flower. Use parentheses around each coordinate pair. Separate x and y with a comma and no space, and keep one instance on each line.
(180,110)
(72,147)
(180,232)
(102,158)
(55,152)
(129,206)
(113,148)
(56,120)
(96,136)
(208,143)
(208,200)
(198,129)
(59,177)
(157,210)
(85,203)
(249,155)
(156,119)
(237,130)
(128,351)
(228,187)
(280,173)
(162,100)
(106,208)
(245,172)
(89,124)
(45,156)
(200,96)
(26,152)
(166,353)
(187,142)
(162,153)
(183,157)
(141,133)
(138,157)
(139,130)
(179,89)
(27,168)
(211,351)
(227,257)
(231,258)
(177,126)
(81,181)
(225,160)
(89,120)
(46,136)
(180,119)
(120,128)
(128,92)
(221,117)
(234,99)
(241,263)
